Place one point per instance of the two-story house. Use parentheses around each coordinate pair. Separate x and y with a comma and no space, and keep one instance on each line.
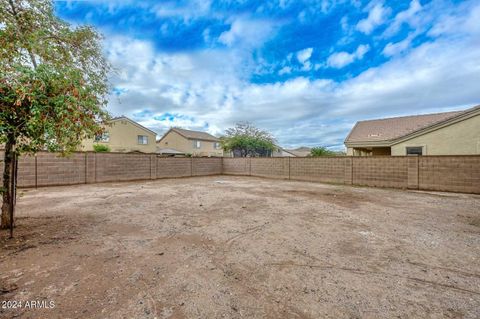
(195,143)
(124,135)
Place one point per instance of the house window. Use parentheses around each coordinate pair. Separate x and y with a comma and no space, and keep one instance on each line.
(216,145)
(418,150)
(104,137)
(196,144)
(142,139)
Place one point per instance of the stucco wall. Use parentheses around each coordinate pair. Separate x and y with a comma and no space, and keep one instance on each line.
(124,138)
(462,138)
(178,142)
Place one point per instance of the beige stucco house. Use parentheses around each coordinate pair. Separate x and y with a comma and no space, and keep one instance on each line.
(449,133)
(281,152)
(124,135)
(195,143)
(301,151)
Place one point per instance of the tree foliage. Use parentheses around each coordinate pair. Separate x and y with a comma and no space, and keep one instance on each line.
(321,151)
(247,140)
(53,84)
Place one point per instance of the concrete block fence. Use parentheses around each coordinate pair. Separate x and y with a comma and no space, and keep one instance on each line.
(438,173)
(49,169)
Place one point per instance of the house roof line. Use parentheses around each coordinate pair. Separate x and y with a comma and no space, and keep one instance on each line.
(206,136)
(405,116)
(350,133)
(286,151)
(118,118)
(456,116)
(464,115)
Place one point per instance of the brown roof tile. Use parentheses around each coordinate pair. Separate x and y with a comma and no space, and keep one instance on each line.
(395,127)
(196,135)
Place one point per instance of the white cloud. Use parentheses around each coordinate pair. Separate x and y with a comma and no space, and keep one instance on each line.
(195,9)
(465,20)
(303,56)
(344,23)
(285,70)
(212,87)
(340,59)
(361,50)
(392,49)
(246,32)
(377,15)
(408,16)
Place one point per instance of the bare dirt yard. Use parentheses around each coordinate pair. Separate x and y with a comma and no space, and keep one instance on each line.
(237,247)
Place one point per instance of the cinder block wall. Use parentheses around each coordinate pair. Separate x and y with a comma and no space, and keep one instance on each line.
(202,166)
(450,173)
(54,170)
(270,167)
(49,169)
(320,169)
(27,171)
(236,166)
(380,171)
(173,167)
(440,173)
(114,167)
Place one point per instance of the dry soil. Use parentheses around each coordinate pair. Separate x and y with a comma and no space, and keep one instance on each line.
(235,247)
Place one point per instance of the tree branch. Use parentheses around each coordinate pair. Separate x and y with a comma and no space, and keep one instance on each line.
(15,15)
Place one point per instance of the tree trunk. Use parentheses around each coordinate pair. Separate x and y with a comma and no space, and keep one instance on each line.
(8,186)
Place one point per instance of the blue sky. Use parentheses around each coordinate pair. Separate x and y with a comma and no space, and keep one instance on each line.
(304,70)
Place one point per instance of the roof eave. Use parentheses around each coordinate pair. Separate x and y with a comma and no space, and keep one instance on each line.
(195,138)
(133,122)
(458,118)
(474,111)
(368,144)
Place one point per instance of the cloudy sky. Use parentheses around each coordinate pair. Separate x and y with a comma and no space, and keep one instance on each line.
(304,70)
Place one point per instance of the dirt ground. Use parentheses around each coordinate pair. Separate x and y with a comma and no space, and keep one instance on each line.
(238,247)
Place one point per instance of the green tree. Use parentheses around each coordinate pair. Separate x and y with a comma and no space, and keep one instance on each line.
(321,151)
(246,140)
(53,86)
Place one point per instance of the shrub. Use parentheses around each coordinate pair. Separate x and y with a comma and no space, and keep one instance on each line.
(100,148)
(321,151)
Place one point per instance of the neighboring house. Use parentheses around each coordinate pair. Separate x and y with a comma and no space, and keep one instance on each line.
(281,152)
(195,143)
(170,152)
(449,133)
(301,151)
(124,135)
